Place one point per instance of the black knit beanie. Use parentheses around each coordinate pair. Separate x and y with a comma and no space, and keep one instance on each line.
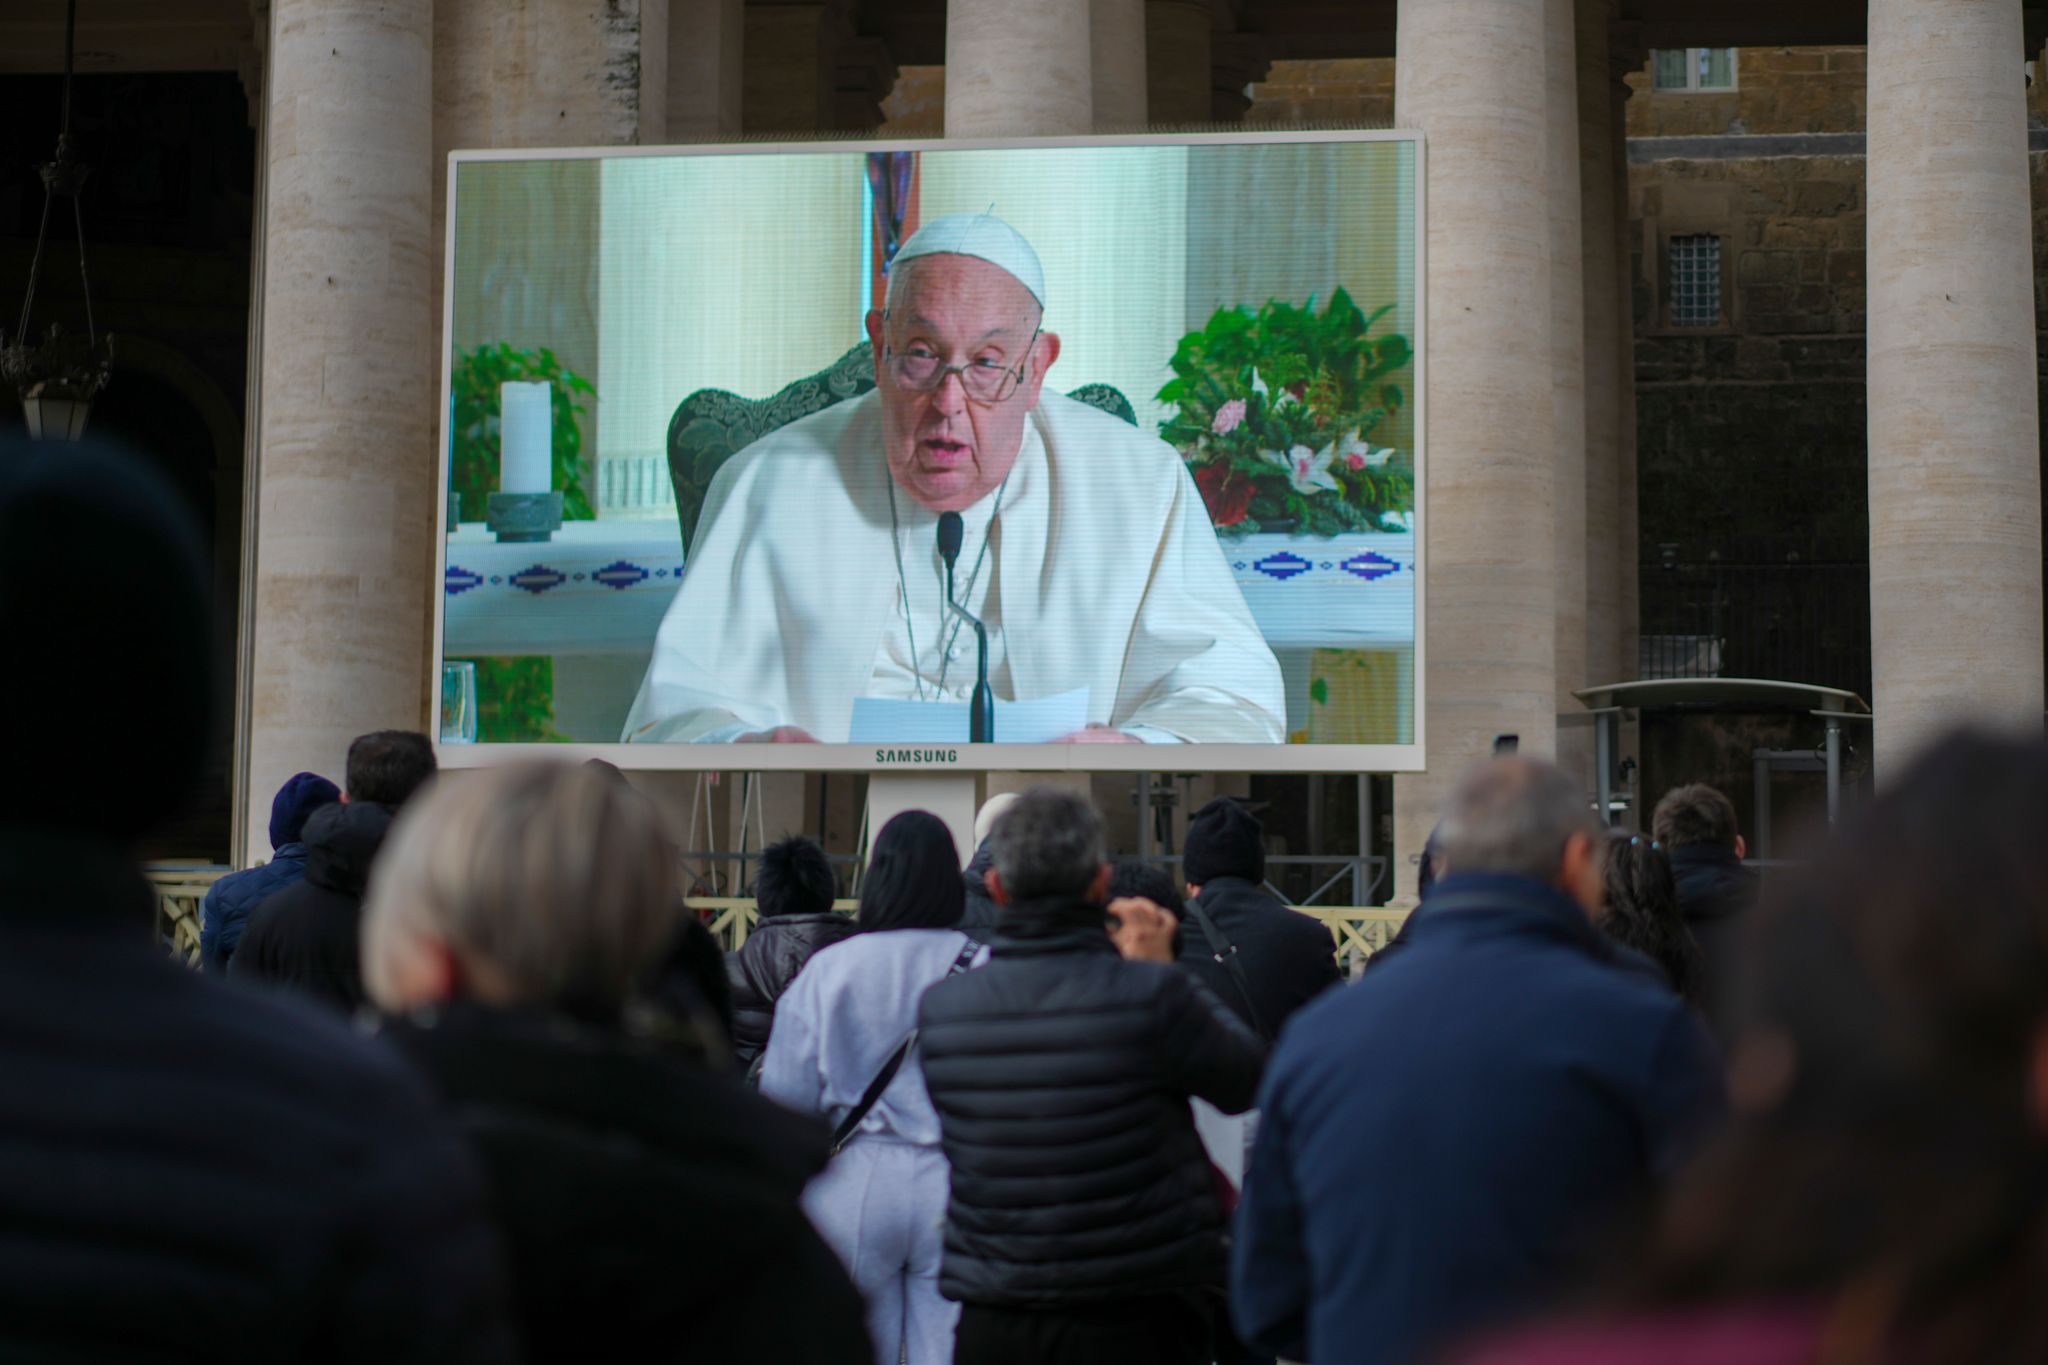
(1224,840)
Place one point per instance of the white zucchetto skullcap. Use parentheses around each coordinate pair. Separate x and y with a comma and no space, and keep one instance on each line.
(982,235)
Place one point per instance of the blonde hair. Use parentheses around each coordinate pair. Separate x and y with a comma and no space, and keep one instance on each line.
(552,881)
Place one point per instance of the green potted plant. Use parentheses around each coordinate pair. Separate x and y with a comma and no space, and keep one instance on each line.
(1275,413)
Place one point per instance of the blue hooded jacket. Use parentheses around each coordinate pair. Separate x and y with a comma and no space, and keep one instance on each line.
(229,902)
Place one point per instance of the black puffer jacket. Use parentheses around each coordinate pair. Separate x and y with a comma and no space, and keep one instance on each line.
(308,936)
(649,1208)
(1287,958)
(761,969)
(978,915)
(1061,1075)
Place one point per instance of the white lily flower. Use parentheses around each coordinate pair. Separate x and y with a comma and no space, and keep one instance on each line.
(1309,471)
(1357,453)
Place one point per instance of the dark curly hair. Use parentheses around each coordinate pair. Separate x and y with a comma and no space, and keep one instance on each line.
(1643,913)
(794,877)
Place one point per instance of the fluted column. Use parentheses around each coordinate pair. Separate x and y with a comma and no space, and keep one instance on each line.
(1569,360)
(1117,54)
(1016,69)
(1470,75)
(1955,495)
(343,537)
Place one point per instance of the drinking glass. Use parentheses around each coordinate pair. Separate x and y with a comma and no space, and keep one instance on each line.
(458,702)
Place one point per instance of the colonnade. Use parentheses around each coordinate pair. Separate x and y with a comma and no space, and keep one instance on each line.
(1529,403)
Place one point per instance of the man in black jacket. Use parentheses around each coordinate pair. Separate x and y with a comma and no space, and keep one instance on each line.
(1262,959)
(1695,824)
(793,886)
(307,936)
(188,1170)
(1084,1223)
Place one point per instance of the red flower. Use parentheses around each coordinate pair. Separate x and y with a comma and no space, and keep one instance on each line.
(1228,497)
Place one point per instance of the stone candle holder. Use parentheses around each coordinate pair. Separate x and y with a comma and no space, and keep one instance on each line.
(523,517)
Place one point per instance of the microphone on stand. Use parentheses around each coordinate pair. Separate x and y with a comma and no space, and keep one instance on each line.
(981,710)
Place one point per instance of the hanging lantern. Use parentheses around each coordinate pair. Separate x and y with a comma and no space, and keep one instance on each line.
(58,377)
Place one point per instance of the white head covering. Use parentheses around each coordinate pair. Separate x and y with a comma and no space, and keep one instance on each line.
(982,235)
(991,810)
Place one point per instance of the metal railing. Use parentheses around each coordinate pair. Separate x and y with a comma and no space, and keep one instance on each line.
(179,893)
(1356,932)
(1789,619)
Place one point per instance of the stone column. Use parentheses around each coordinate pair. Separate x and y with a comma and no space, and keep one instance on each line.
(1601,163)
(1116,42)
(705,56)
(1955,493)
(1178,42)
(1569,359)
(1628,55)
(343,540)
(1470,75)
(1016,70)
(786,80)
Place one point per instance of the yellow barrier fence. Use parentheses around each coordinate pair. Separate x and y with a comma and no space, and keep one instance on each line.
(179,891)
(1356,933)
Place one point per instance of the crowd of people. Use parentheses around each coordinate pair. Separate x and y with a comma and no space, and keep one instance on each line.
(463,1078)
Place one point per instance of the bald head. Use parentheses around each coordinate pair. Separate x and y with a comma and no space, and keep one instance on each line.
(1514,815)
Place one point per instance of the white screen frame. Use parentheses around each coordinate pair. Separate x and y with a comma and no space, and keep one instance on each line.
(962,757)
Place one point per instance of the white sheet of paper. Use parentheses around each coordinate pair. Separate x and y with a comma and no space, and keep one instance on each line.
(891,720)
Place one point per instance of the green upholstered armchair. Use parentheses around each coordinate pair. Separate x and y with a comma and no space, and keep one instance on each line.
(711,425)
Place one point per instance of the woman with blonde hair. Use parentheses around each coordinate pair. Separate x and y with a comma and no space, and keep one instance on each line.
(650,1206)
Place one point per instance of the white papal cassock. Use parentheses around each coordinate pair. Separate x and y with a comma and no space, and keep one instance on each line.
(1102,571)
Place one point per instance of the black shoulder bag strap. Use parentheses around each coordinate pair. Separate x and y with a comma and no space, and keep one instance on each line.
(872,1096)
(1225,954)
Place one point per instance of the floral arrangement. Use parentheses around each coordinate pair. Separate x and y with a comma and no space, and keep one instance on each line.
(1276,413)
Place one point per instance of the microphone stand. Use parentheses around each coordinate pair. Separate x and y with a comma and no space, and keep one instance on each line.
(981,710)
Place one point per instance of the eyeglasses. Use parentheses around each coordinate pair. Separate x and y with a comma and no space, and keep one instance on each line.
(983,381)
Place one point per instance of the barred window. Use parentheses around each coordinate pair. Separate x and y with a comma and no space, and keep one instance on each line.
(1693,68)
(1695,274)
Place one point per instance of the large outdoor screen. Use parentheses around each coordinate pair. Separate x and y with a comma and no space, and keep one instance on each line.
(854,456)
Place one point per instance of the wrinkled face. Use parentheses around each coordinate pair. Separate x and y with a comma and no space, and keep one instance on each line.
(944,448)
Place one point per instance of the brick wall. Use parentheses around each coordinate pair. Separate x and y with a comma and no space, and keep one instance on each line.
(1777,90)
(1750,436)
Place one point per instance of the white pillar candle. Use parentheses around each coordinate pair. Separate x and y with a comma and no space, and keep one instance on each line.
(525,432)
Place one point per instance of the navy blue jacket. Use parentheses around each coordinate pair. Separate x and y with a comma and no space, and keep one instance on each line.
(225,911)
(1440,1140)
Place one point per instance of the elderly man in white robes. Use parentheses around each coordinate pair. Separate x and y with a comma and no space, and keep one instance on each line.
(815,578)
